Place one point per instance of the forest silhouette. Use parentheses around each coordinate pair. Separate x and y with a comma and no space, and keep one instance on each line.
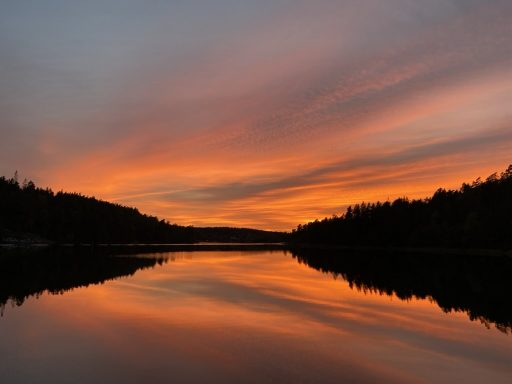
(478,215)
(30,214)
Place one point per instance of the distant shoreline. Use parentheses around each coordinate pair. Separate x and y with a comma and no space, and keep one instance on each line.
(154,247)
(271,246)
(422,250)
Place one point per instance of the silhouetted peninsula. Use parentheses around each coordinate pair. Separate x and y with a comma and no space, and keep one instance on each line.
(478,215)
(34,215)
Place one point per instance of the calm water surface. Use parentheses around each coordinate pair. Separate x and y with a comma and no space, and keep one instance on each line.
(237,316)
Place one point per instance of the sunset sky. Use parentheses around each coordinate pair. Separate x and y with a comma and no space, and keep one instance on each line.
(260,114)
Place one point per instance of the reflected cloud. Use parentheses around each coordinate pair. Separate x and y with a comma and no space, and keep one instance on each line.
(259,312)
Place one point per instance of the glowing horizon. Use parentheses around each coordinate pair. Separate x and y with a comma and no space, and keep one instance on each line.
(262,115)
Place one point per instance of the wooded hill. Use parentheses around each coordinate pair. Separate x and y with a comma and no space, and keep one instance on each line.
(31,214)
(478,215)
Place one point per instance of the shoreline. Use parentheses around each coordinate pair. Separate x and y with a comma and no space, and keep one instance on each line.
(269,246)
(175,247)
(420,250)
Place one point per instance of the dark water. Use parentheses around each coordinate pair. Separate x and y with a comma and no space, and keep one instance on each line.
(253,316)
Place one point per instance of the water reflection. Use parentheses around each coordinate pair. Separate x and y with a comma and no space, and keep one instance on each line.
(223,316)
(32,272)
(476,285)
(479,286)
(27,272)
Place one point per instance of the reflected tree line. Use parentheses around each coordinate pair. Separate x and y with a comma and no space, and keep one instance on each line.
(478,215)
(27,272)
(479,286)
(31,272)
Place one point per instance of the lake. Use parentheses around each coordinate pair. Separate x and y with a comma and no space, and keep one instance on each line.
(253,315)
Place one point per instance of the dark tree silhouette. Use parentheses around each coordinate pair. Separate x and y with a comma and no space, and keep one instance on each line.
(33,214)
(478,215)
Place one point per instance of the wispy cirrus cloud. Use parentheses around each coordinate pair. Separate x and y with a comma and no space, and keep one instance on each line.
(262,114)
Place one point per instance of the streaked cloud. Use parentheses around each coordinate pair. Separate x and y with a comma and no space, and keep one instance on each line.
(259,114)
